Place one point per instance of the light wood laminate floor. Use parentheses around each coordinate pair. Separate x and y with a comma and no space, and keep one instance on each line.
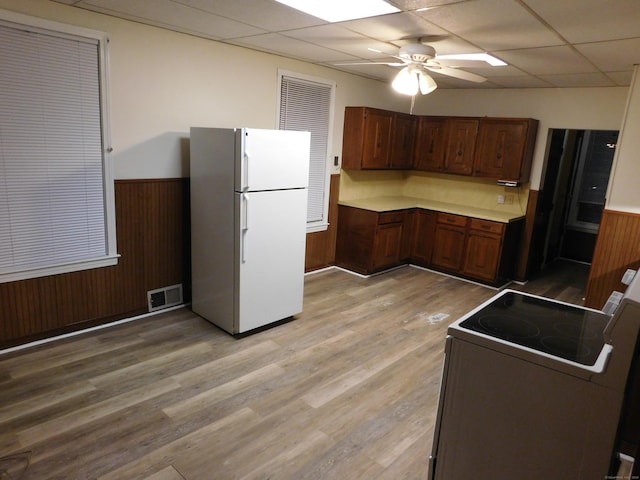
(347,390)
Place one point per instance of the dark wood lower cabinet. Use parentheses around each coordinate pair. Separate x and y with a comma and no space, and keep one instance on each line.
(482,250)
(482,255)
(387,242)
(449,242)
(423,225)
(370,241)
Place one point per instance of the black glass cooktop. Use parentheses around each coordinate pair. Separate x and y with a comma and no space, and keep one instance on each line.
(557,329)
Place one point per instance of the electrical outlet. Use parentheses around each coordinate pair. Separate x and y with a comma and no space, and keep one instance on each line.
(501,199)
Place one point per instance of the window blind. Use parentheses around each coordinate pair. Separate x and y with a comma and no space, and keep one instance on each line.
(52,187)
(306,105)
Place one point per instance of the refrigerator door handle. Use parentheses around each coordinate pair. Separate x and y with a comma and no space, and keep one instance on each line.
(245,187)
(244,222)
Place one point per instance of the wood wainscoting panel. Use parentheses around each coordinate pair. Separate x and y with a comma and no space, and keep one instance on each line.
(617,249)
(523,263)
(153,235)
(321,246)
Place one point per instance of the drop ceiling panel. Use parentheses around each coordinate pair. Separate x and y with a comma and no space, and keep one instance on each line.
(546,42)
(394,27)
(521,82)
(339,38)
(547,60)
(621,78)
(291,47)
(416,4)
(492,72)
(168,14)
(614,56)
(579,80)
(582,21)
(493,24)
(377,72)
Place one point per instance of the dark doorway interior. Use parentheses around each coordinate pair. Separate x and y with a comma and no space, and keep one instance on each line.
(573,197)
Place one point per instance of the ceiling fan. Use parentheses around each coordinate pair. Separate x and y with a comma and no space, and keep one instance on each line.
(418,58)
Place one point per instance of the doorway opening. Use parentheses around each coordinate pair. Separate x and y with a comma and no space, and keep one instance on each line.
(573,197)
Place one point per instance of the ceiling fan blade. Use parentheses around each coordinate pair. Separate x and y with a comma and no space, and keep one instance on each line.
(391,64)
(453,62)
(454,72)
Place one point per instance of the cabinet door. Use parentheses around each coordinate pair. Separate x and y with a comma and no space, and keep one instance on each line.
(387,246)
(448,247)
(402,141)
(482,256)
(461,141)
(355,238)
(501,148)
(377,139)
(430,144)
(422,236)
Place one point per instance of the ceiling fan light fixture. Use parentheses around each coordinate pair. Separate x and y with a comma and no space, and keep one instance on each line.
(427,84)
(411,80)
(406,82)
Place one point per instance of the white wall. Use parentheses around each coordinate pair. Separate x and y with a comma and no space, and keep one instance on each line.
(624,186)
(163,82)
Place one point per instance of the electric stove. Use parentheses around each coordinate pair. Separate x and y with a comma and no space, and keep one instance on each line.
(533,388)
(553,328)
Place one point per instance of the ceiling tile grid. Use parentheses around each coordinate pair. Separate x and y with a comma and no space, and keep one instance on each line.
(554,44)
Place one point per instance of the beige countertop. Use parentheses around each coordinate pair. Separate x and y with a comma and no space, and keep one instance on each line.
(385,204)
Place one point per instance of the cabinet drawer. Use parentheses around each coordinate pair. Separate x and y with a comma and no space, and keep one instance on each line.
(487,226)
(451,219)
(390,217)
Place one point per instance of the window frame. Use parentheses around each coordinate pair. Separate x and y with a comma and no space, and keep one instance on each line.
(61,30)
(323,224)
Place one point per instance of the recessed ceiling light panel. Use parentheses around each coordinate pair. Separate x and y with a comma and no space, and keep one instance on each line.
(341,10)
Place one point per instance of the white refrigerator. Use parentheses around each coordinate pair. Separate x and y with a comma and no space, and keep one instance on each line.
(248,225)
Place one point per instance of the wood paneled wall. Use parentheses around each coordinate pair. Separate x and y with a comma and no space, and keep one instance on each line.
(617,249)
(527,239)
(153,234)
(152,222)
(321,246)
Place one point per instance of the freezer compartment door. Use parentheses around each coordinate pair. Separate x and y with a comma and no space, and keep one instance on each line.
(271,159)
(270,263)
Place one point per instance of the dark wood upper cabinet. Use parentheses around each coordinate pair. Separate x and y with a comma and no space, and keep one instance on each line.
(499,148)
(461,143)
(504,148)
(431,141)
(403,136)
(366,140)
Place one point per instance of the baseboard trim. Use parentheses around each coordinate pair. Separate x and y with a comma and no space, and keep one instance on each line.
(56,338)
